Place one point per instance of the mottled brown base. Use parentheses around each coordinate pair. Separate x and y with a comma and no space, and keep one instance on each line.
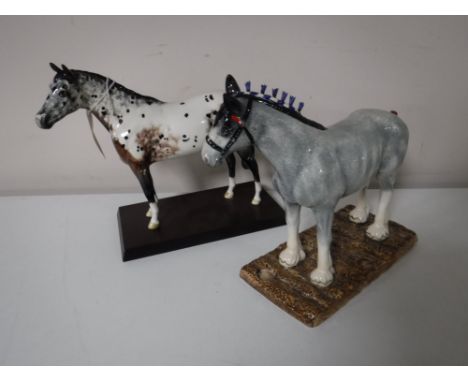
(358,260)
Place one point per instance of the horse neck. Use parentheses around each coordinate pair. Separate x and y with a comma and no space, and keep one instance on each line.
(276,133)
(107,100)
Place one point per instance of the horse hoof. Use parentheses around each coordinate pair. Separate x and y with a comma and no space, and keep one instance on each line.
(377,232)
(153,225)
(321,278)
(288,258)
(228,195)
(256,201)
(358,215)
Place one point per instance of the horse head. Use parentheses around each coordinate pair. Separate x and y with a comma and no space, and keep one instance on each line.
(226,135)
(63,98)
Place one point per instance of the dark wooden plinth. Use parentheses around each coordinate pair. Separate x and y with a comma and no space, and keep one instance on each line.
(358,260)
(195,218)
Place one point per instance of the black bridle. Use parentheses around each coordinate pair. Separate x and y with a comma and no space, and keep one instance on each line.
(240,122)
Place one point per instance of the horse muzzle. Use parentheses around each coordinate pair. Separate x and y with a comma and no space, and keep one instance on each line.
(41,121)
(210,160)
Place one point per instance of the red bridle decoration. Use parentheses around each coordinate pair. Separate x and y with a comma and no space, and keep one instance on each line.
(236,119)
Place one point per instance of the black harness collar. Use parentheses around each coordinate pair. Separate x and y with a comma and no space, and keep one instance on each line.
(241,126)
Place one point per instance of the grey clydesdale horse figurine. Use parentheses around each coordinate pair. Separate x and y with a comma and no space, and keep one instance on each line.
(314,167)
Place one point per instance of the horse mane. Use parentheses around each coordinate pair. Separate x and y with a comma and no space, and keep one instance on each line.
(279,103)
(99,77)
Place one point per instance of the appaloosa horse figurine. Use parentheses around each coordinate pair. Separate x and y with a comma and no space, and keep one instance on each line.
(314,167)
(144,129)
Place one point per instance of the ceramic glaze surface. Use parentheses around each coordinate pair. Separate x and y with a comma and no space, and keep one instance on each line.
(144,129)
(315,168)
(134,121)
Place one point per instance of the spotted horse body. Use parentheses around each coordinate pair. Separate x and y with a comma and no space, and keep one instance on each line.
(144,130)
(315,167)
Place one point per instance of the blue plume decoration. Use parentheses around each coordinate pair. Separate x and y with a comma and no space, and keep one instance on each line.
(274,94)
(284,95)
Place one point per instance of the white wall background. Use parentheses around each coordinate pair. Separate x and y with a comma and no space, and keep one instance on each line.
(416,65)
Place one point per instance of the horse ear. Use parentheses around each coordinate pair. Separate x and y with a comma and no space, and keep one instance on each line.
(232,104)
(54,67)
(68,72)
(232,87)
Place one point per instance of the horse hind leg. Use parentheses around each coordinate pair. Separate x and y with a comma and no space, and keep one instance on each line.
(231,163)
(360,213)
(378,230)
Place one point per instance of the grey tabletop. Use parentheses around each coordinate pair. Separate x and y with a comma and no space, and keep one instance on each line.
(66,297)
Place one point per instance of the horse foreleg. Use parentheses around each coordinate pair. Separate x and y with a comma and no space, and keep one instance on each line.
(146,181)
(248,159)
(293,253)
(231,163)
(322,276)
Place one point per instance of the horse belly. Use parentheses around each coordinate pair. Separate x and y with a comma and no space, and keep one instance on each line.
(317,182)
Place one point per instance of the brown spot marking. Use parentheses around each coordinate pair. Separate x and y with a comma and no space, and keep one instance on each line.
(128,158)
(157,149)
